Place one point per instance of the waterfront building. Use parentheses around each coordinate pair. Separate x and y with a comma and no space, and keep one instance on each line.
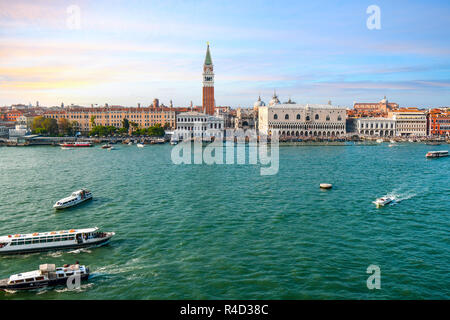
(12,115)
(4,131)
(409,121)
(20,130)
(438,122)
(258,103)
(374,108)
(198,125)
(382,127)
(302,120)
(245,119)
(113,116)
(228,115)
(208,84)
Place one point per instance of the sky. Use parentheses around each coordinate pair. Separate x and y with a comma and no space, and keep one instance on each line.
(130,52)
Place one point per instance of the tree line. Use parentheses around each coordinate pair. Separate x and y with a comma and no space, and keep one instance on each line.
(64,127)
(53,127)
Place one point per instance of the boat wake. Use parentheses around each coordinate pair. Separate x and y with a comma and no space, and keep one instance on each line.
(82,288)
(400,196)
(55,254)
(116,269)
(9,291)
(82,250)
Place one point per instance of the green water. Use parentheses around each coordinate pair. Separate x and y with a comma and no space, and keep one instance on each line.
(226,232)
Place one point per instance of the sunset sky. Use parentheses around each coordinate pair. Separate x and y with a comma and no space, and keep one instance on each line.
(127,52)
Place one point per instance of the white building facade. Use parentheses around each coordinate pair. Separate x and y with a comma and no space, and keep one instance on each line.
(302,120)
(198,125)
(410,122)
(383,127)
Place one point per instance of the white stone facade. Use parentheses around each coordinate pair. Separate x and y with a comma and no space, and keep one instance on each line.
(298,120)
(411,123)
(198,125)
(383,127)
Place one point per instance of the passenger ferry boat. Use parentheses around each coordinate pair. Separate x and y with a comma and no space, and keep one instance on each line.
(380,202)
(76,145)
(437,154)
(47,275)
(75,198)
(54,240)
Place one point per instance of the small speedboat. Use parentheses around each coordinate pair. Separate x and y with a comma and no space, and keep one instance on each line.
(75,198)
(380,140)
(107,146)
(130,143)
(140,145)
(47,275)
(380,202)
(76,145)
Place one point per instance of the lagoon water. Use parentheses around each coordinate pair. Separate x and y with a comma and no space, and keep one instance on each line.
(226,232)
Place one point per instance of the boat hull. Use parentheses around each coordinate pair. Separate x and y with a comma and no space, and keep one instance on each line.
(38,284)
(382,204)
(101,242)
(72,204)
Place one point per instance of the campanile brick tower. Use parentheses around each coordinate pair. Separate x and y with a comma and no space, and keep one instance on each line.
(208,84)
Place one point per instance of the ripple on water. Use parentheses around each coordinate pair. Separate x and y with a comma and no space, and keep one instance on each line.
(223,232)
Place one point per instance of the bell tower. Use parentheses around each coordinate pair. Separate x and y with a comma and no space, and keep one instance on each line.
(208,84)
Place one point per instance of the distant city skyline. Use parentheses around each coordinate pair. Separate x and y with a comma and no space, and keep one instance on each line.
(125,53)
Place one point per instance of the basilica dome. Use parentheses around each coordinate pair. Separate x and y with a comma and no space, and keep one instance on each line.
(259,103)
(274,100)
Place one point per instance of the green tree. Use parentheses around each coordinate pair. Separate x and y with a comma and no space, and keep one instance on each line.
(36,125)
(66,127)
(92,121)
(156,131)
(51,126)
(126,124)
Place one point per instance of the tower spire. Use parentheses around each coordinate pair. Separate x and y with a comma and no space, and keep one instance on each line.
(208,60)
(208,84)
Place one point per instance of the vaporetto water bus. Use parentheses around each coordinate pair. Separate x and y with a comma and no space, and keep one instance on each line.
(75,198)
(47,275)
(437,154)
(53,240)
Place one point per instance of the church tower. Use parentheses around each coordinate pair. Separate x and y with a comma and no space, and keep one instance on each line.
(208,84)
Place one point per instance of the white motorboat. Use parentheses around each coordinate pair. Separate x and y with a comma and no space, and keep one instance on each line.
(53,240)
(107,146)
(140,145)
(47,275)
(383,201)
(437,154)
(75,198)
(130,143)
(380,140)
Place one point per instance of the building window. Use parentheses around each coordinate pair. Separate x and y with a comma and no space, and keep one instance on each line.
(316,117)
(339,118)
(328,118)
(307,118)
(275,116)
(286,117)
(298,117)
